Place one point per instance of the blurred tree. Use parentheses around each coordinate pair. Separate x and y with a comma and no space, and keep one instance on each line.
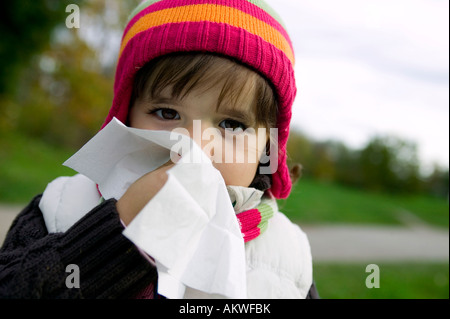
(63,97)
(25,28)
(299,150)
(322,160)
(65,88)
(376,161)
(324,168)
(386,163)
(391,164)
(437,183)
(346,162)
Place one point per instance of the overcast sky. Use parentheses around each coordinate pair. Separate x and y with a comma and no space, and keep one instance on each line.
(367,67)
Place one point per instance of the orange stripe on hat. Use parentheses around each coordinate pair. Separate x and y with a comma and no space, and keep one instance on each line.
(210,13)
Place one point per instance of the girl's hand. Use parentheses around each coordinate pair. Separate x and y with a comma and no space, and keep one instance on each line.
(141,192)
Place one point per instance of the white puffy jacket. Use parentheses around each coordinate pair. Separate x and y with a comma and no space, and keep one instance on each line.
(279,263)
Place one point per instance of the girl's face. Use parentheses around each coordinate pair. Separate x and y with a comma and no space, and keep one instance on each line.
(167,113)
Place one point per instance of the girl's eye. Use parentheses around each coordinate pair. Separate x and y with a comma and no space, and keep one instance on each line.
(166,114)
(232,124)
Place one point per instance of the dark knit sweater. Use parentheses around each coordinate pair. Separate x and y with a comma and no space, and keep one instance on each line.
(33,262)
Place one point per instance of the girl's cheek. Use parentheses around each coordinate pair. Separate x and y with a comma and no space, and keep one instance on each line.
(237,174)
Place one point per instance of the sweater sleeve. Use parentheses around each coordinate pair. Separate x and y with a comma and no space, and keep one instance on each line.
(33,262)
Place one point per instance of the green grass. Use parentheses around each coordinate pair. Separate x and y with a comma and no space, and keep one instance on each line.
(316,202)
(27,166)
(397,281)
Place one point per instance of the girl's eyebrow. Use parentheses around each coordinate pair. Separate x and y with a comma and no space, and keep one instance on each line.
(165,100)
(240,115)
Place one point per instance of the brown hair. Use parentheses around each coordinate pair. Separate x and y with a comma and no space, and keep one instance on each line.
(188,71)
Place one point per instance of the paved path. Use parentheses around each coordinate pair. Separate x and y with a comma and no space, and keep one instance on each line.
(349,243)
(374,244)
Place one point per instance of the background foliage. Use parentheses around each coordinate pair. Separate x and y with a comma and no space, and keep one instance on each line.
(384,164)
(24,31)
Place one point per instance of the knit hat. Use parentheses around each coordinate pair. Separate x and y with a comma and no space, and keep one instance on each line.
(246,30)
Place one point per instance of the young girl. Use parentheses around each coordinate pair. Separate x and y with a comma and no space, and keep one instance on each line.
(227,64)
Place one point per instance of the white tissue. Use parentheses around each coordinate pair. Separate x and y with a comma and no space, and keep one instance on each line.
(189,227)
(118,155)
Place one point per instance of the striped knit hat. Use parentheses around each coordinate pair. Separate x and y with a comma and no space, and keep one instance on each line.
(246,30)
